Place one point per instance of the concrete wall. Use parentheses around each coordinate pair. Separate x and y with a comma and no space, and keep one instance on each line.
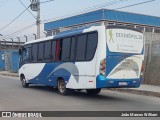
(152,59)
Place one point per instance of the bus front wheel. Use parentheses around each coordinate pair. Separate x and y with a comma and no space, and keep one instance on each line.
(93,91)
(24,84)
(62,88)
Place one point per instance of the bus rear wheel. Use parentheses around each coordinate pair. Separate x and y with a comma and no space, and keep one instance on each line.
(62,88)
(93,91)
(24,84)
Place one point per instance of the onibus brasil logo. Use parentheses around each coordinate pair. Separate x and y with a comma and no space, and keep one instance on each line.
(111,36)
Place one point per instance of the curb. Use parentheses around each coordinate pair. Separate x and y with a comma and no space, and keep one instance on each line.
(139,92)
(13,75)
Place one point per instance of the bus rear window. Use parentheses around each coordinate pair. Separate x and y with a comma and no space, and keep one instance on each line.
(124,41)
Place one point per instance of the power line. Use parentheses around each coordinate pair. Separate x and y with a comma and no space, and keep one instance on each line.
(21,30)
(111,3)
(61,17)
(136,4)
(89,9)
(19,16)
(104,5)
(13,19)
(3,2)
(27,8)
(140,3)
(47,1)
(22,37)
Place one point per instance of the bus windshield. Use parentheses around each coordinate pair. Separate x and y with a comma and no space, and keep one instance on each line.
(124,40)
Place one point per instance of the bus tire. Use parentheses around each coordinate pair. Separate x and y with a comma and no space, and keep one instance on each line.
(79,90)
(24,84)
(62,87)
(93,91)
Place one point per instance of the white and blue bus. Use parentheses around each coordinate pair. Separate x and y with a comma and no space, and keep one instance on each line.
(89,58)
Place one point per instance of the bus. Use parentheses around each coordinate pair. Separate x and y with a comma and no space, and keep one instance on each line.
(88,58)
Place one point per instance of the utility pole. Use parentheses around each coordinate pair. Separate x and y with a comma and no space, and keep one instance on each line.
(38,19)
(35,6)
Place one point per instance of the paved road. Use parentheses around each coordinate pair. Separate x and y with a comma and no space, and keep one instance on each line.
(14,97)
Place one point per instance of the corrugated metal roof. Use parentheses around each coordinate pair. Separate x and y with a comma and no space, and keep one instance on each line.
(104,14)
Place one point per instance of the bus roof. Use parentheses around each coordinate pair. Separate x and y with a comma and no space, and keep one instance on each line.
(61,34)
(77,31)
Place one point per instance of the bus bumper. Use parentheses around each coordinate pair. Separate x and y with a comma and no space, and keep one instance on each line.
(103,82)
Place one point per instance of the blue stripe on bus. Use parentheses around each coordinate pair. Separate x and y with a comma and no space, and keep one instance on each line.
(112,62)
(45,78)
(103,82)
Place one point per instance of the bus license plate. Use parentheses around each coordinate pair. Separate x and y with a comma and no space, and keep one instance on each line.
(122,83)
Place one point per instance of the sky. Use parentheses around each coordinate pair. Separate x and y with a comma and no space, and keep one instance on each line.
(10,9)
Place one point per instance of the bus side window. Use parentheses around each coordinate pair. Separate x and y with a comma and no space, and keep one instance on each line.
(58,50)
(66,43)
(81,47)
(72,49)
(26,55)
(34,52)
(53,52)
(91,45)
(47,51)
(40,51)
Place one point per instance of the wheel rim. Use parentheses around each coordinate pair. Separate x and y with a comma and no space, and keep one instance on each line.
(61,87)
(23,82)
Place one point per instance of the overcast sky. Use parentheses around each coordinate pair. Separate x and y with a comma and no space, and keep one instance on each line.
(10,9)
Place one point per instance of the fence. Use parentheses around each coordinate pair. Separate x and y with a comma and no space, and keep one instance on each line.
(2,63)
(9,60)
